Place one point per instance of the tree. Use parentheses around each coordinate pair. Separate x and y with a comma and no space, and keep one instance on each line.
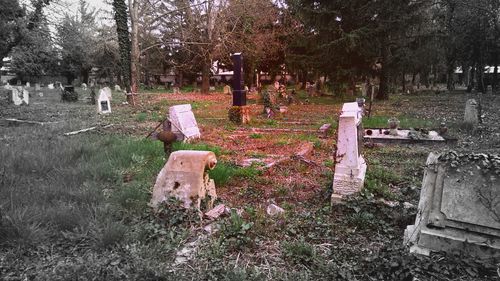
(76,39)
(11,22)
(121,20)
(35,54)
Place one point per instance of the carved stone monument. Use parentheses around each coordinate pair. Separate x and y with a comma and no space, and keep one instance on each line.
(350,167)
(184,124)
(459,208)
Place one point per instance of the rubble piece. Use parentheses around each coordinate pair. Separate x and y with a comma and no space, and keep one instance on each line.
(216,212)
(305,149)
(458,211)
(324,130)
(274,210)
(350,167)
(185,177)
(184,124)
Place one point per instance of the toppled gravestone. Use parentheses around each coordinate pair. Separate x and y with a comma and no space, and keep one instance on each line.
(459,208)
(185,178)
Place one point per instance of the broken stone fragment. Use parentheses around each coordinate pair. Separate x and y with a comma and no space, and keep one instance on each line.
(274,210)
(216,212)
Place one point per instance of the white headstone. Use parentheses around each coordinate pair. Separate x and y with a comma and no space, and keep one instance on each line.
(184,124)
(471,115)
(20,95)
(103,104)
(107,91)
(117,88)
(28,84)
(50,86)
(350,168)
(84,86)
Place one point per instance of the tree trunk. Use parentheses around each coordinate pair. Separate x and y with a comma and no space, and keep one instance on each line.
(135,52)
(471,79)
(403,83)
(450,86)
(205,78)
(383,93)
(121,20)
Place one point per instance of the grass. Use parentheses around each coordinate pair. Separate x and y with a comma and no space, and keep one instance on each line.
(197,146)
(406,122)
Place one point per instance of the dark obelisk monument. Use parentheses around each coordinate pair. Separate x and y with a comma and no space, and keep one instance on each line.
(239,112)
(239,94)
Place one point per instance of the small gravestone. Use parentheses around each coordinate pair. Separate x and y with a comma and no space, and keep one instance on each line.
(117,88)
(227,90)
(84,86)
(184,124)
(459,208)
(324,130)
(211,88)
(37,86)
(50,86)
(28,84)
(176,90)
(20,96)
(350,167)
(471,116)
(103,104)
(107,92)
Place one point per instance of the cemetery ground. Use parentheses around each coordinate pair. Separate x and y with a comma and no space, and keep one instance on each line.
(76,207)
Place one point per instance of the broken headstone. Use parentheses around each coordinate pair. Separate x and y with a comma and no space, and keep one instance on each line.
(185,178)
(459,208)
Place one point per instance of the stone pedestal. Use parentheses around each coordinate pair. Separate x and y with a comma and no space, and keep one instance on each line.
(350,167)
(239,114)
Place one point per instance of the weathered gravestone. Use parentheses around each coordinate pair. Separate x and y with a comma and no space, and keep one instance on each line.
(37,86)
(50,86)
(84,86)
(117,88)
(184,124)
(185,177)
(471,116)
(20,96)
(107,91)
(459,208)
(103,104)
(350,167)
(28,84)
